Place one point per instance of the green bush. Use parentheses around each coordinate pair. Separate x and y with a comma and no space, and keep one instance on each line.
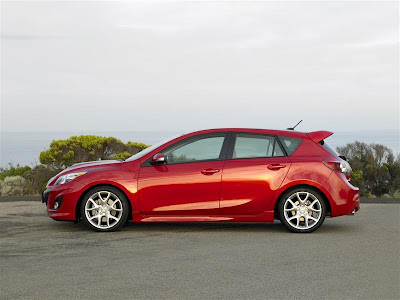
(376,171)
(123,155)
(64,153)
(24,180)
(14,171)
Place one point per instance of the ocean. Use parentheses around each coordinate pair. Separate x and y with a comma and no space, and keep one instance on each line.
(24,147)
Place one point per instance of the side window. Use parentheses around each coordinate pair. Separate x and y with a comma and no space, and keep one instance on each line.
(249,145)
(290,143)
(207,148)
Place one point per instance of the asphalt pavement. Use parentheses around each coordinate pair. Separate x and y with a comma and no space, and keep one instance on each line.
(350,257)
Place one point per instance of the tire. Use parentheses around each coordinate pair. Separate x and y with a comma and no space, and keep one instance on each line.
(104,208)
(302,210)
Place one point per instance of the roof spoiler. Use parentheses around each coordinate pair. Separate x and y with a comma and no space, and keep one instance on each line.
(318,136)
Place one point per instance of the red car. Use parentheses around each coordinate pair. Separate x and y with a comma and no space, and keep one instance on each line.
(217,175)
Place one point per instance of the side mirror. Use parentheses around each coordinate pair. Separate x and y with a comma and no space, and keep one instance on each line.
(158,158)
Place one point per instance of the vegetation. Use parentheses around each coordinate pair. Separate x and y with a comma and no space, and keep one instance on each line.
(13,186)
(376,171)
(14,171)
(24,180)
(64,153)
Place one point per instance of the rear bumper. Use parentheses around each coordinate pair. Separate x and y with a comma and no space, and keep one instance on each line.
(354,201)
(345,198)
(68,195)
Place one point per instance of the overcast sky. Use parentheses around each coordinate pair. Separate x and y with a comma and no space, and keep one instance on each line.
(109,66)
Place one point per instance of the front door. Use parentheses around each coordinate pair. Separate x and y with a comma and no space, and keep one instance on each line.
(254,170)
(189,183)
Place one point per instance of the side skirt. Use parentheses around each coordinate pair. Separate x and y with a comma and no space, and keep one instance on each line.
(267,216)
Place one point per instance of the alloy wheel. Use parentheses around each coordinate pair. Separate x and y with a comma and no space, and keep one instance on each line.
(103,210)
(302,210)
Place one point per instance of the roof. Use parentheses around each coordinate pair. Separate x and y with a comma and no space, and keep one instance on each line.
(255,130)
(316,136)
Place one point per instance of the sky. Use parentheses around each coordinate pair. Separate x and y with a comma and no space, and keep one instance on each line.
(173,65)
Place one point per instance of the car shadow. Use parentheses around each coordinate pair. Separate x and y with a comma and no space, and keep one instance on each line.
(181,227)
(204,226)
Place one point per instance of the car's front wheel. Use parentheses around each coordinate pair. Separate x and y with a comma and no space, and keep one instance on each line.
(104,208)
(302,210)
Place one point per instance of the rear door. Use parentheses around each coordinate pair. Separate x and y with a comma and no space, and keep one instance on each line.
(255,168)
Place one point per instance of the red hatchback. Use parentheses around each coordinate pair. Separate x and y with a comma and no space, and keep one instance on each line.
(217,175)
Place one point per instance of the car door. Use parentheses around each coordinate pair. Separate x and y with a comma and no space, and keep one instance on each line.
(255,168)
(189,182)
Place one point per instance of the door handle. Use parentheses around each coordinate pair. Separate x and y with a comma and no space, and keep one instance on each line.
(209,171)
(275,166)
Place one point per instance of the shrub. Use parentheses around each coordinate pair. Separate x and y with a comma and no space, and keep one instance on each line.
(13,186)
(14,171)
(64,153)
(376,171)
(39,177)
(123,155)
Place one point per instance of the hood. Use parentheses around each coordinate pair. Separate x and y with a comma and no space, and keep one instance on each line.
(92,163)
(84,166)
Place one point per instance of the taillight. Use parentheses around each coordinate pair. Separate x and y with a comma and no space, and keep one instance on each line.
(342,167)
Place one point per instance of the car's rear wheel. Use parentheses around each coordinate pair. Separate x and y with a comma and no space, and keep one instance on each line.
(302,210)
(104,208)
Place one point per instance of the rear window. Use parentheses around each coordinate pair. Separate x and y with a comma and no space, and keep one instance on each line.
(290,143)
(330,149)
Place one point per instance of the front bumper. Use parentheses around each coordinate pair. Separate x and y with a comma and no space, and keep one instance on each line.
(67,195)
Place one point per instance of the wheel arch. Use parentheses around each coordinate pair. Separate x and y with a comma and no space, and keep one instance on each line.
(86,191)
(312,187)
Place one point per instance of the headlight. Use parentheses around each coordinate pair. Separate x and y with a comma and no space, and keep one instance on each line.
(68,177)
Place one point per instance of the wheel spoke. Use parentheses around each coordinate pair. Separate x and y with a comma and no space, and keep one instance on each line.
(306,198)
(108,197)
(114,218)
(99,220)
(116,209)
(298,197)
(313,203)
(114,202)
(313,209)
(94,203)
(108,220)
(99,194)
(291,202)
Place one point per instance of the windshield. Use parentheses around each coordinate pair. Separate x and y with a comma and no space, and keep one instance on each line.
(151,148)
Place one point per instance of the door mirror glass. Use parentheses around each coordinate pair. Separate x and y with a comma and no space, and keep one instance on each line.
(158,158)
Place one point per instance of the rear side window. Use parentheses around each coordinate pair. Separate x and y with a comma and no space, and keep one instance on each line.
(249,145)
(329,148)
(290,143)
